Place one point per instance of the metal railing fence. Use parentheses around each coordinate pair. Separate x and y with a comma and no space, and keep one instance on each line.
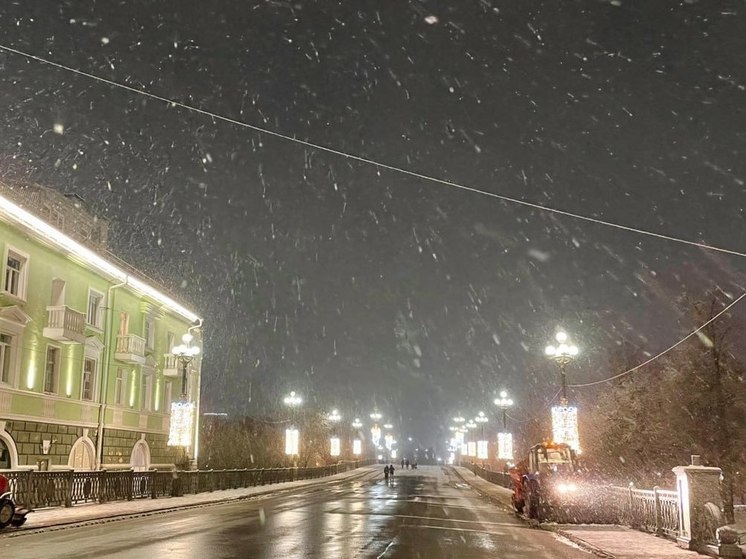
(34,489)
(655,510)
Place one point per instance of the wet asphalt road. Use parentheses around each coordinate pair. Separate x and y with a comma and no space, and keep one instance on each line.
(428,513)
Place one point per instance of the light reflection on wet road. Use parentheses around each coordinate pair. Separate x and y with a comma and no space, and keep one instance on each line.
(426,513)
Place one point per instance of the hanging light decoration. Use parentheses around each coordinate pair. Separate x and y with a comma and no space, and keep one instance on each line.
(335,449)
(505,446)
(357,447)
(565,426)
(182,421)
(292,437)
(482,450)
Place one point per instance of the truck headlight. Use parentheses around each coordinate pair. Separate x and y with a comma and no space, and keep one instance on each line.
(567,488)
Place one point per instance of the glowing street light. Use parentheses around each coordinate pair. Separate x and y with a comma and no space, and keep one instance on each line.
(293,400)
(562,354)
(504,439)
(357,424)
(185,353)
(376,416)
(388,426)
(564,417)
(503,402)
(459,419)
(334,417)
(335,446)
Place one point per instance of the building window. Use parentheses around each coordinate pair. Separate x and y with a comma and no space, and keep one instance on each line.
(149,332)
(124,323)
(89,378)
(6,346)
(146,391)
(15,274)
(95,308)
(120,386)
(51,369)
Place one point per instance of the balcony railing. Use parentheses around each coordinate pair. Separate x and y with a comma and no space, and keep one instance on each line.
(65,325)
(130,349)
(170,365)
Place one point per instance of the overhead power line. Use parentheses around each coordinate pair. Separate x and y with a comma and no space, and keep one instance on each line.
(367,161)
(662,353)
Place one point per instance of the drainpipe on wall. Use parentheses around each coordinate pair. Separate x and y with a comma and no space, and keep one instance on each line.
(104,386)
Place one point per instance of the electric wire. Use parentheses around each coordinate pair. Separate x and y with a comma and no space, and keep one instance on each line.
(662,353)
(368,161)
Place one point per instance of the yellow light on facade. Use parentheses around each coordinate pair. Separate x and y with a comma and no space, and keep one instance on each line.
(69,380)
(335,449)
(157,394)
(565,426)
(471,448)
(388,441)
(505,446)
(133,387)
(482,450)
(357,447)
(292,438)
(31,375)
(182,422)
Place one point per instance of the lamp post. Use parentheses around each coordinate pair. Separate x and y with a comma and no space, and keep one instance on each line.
(357,444)
(375,430)
(503,402)
(183,411)
(482,446)
(292,435)
(504,439)
(562,354)
(564,417)
(334,444)
(185,353)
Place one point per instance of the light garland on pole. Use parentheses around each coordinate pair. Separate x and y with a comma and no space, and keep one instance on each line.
(504,439)
(564,416)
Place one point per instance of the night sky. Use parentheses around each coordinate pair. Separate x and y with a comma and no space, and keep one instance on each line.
(358,286)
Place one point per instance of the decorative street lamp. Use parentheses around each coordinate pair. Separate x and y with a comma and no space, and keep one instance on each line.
(375,430)
(357,424)
(185,353)
(482,445)
(182,411)
(335,445)
(562,354)
(292,435)
(503,402)
(504,439)
(564,417)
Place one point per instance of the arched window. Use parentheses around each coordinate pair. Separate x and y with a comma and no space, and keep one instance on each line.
(82,455)
(140,459)
(8,450)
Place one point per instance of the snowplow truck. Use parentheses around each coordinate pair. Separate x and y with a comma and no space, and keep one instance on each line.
(545,480)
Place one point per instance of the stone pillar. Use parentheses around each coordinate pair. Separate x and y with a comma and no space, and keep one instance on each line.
(699,492)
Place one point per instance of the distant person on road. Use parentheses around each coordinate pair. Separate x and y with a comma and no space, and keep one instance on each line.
(386,473)
(402,463)
(414,465)
(407,463)
(391,470)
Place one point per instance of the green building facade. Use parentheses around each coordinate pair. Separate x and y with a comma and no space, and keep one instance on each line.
(87,378)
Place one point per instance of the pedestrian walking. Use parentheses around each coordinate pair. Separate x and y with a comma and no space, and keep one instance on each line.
(402,463)
(391,470)
(386,473)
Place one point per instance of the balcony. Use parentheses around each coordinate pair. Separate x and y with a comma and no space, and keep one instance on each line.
(65,325)
(170,365)
(130,349)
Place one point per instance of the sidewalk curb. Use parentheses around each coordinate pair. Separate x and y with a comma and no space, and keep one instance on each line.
(169,507)
(547,527)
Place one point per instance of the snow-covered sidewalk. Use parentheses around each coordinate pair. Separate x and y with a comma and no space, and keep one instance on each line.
(620,542)
(58,516)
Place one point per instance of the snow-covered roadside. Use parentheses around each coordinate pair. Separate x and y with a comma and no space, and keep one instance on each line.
(58,516)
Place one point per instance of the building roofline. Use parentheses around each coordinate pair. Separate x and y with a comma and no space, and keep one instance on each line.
(15,214)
